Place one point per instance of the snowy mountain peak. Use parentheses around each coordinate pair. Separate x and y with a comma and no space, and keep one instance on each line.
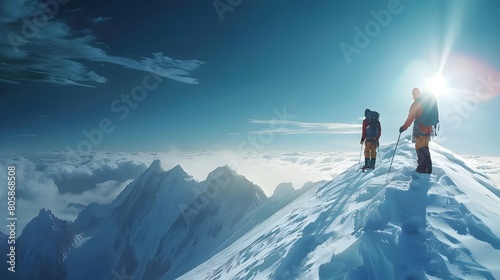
(155,167)
(222,170)
(44,244)
(44,220)
(45,213)
(179,172)
(376,225)
(283,189)
(233,186)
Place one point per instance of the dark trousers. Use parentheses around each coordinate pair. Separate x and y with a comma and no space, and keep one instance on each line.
(424,162)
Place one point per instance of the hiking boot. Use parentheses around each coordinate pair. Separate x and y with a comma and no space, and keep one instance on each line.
(367,164)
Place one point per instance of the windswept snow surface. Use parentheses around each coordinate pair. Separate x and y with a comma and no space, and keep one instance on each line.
(372,226)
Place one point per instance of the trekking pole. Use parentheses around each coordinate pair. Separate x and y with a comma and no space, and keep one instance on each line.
(360,153)
(393,157)
(378,153)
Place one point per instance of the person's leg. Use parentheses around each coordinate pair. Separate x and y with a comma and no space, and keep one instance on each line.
(424,164)
(428,161)
(419,144)
(373,154)
(368,147)
(420,161)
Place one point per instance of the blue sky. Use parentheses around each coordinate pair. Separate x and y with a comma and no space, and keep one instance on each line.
(259,75)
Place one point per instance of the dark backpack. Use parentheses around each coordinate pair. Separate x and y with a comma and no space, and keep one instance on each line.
(430,112)
(373,127)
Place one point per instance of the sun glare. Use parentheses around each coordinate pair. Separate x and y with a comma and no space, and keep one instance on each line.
(437,85)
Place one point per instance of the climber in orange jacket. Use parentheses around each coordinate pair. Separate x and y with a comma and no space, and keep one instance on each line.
(421,132)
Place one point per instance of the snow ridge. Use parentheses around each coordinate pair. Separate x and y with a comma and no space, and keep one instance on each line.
(362,226)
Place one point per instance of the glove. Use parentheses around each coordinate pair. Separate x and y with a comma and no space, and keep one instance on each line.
(377,144)
(401,129)
(362,141)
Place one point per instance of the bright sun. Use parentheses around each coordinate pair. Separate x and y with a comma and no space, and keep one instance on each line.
(437,85)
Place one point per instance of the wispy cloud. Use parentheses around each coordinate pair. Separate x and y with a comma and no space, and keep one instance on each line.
(26,133)
(8,81)
(295,127)
(50,51)
(17,135)
(101,19)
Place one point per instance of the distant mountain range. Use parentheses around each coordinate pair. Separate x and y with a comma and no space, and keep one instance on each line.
(162,225)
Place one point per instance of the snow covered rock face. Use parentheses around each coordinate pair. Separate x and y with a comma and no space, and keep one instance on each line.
(373,226)
(43,247)
(217,211)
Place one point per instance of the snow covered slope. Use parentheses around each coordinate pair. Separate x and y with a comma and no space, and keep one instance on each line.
(370,226)
(159,222)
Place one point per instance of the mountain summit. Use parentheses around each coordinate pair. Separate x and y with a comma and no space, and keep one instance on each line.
(372,226)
